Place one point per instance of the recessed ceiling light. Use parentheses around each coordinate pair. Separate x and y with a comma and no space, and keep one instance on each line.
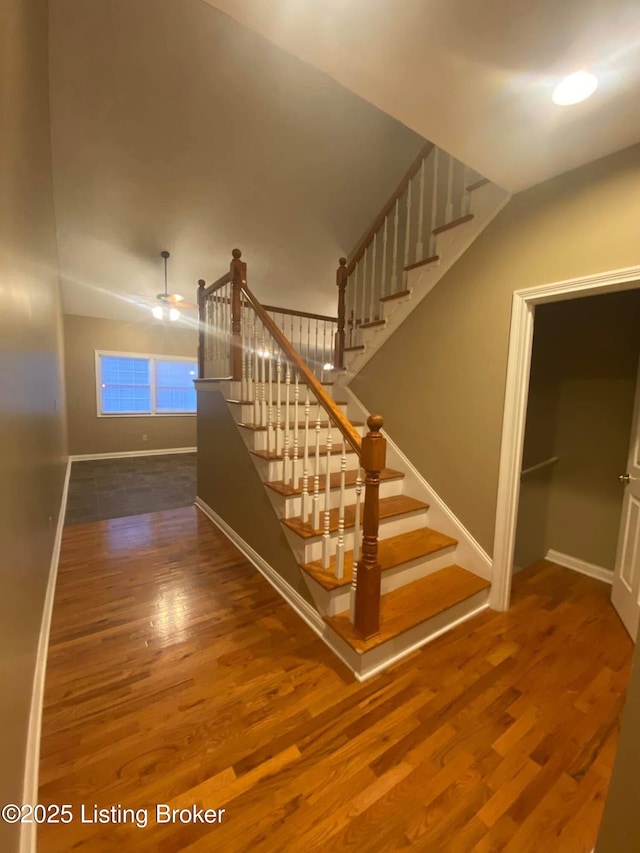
(575,88)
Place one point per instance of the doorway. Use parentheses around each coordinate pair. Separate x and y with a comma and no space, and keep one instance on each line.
(514,420)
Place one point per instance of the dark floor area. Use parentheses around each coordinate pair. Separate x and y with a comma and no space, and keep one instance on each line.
(113,488)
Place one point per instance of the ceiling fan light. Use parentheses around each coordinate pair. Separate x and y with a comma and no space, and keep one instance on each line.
(174,314)
(157,312)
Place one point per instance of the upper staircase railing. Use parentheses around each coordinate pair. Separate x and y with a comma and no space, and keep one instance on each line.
(313,335)
(433,196)
(240,340)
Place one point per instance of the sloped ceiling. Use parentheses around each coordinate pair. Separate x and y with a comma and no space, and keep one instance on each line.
(174,127)
(476,76)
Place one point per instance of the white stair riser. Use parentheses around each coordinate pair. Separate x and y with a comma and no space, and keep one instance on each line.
(257,439)
(389,308)
(370,662)
(271,470)
(312,548)
(291,507)
(332,602)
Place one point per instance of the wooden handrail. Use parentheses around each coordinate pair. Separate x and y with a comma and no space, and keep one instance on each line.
(294,313)
(224,279)
(340,420)
(412,171)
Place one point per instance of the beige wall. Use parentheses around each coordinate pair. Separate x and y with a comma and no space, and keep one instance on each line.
(440,379)
(229,483)
(87,432)
(32,451)
(581,393)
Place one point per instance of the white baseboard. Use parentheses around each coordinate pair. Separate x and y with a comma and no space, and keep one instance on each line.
(83,457)
(302,607)
(581,566)
(469,552)
(32,756)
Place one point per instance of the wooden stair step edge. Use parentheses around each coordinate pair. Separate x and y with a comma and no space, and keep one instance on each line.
(282,425)
(388,508)
(392,552)
(397,295)
(287,490)
(477,184)
(371,324)
(408,606)
(432,260)
(354,349)
(336,449)
(453,224)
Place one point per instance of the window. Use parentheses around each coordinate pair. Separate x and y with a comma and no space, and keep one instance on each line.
(132,384)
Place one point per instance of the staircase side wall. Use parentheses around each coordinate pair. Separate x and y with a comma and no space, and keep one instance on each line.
(229,483)
(439,381)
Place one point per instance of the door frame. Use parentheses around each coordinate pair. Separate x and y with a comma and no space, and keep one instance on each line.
(515,407)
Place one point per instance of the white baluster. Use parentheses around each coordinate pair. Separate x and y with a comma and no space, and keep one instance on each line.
(420,244)
(278,425)
(364,287)
(270,429)
(356,544)
(304,512)
(466,195)
(434,203)
(296,415)
(383,272)
(286,461)
(263,389)
(326,535)
(244,380)
(449,210)
(256,385)
(316,477)
(394,262)
(340,545)
(407,230)
(373,279)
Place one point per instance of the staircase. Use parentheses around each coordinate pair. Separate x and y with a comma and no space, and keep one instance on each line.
(385,573)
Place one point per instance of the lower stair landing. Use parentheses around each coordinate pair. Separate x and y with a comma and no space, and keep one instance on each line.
(410,617)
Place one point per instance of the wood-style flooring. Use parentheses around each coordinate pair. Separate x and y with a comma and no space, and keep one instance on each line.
(177,675)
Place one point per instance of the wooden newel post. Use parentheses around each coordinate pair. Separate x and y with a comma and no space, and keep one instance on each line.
(341,282)
(202,329)
(367,604)
(238,278)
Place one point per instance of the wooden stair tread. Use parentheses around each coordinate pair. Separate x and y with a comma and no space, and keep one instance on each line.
(453,224)
(412,604)
(372,324)
(323,425)
(353,349)
(423,263)
(477,184)
(334,481)
(389,507)
(336,449)
(397,295)
(392,552)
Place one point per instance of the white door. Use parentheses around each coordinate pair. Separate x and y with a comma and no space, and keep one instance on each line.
(625,594)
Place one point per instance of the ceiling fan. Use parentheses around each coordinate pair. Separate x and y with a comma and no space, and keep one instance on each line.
(168,304)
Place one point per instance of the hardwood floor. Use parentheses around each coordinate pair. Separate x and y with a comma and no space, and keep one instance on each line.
(177,675)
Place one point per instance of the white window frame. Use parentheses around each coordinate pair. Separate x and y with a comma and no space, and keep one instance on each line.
(152,357)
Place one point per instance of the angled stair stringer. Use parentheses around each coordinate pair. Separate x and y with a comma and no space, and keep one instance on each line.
(453,240)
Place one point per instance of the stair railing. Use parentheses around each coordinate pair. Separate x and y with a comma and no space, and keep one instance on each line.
(312,335)
(433,195)
(288,400)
